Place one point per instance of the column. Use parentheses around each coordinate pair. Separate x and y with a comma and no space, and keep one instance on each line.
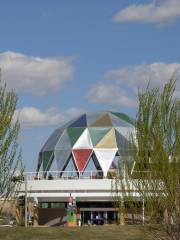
(165,216)
(91,218)
(122,216)
(36,216)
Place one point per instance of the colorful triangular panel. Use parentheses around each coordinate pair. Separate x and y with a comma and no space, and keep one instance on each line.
(70,168)
(74,134)
(64,142)
(92,117)
(122,143)
(118,122)
(46,158)
(61,157)
(108,141)
(103,121)
(101,131)
(84,142)
(66,125)
(91,166)
(39,165)
(97,133)
(52,140)
(124,117)
(81,157)
(53,166)
(116,162)
(126,132)
(105,158)
(80,122)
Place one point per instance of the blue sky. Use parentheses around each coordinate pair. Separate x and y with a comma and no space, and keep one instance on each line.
(65,57)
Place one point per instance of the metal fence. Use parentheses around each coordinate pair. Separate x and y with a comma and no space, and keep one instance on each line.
(55,175)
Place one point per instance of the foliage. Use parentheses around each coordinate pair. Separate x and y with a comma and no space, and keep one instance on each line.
(10,155)
(156,173)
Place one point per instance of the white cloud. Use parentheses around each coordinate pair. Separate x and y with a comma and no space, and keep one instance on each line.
(30,117)
(36,75)
(158,12)
(107,93)
(120,86)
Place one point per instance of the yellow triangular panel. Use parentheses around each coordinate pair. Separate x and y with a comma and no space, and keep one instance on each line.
(103,121)
(108,141)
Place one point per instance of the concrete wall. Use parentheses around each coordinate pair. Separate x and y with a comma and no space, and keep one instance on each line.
(66,185)
(59,190)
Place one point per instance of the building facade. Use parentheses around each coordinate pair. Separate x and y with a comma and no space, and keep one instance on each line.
(80,160)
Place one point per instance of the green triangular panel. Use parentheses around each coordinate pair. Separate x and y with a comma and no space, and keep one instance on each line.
(74,134)
(46,157)
(124,117)
(97,133)
(103,121)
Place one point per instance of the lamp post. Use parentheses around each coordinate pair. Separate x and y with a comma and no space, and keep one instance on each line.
(25,187)
(143,216)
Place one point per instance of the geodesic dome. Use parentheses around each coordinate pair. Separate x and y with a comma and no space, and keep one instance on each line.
(93,141)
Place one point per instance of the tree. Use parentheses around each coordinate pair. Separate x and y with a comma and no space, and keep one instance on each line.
(155,176)
(10,154)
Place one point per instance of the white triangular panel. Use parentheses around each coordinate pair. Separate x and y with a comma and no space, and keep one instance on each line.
(84,142)
(105,157)
(126,131)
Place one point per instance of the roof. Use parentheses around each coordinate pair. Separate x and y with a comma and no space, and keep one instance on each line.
(103,134)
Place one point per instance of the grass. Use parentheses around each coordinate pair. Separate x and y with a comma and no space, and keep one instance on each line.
(83,233)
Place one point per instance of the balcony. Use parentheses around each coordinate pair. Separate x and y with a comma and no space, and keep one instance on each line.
(56,186)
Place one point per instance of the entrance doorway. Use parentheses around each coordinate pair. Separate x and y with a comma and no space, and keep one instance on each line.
(98,218)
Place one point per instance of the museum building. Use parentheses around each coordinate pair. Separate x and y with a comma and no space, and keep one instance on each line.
(75,169)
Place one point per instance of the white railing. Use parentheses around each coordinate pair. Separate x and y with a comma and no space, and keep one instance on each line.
(55,175)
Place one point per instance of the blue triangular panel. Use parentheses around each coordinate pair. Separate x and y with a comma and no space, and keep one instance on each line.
(80,122)
(91,169)
(52,140)
(70,169)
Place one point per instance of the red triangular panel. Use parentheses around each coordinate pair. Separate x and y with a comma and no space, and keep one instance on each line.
(81,157)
